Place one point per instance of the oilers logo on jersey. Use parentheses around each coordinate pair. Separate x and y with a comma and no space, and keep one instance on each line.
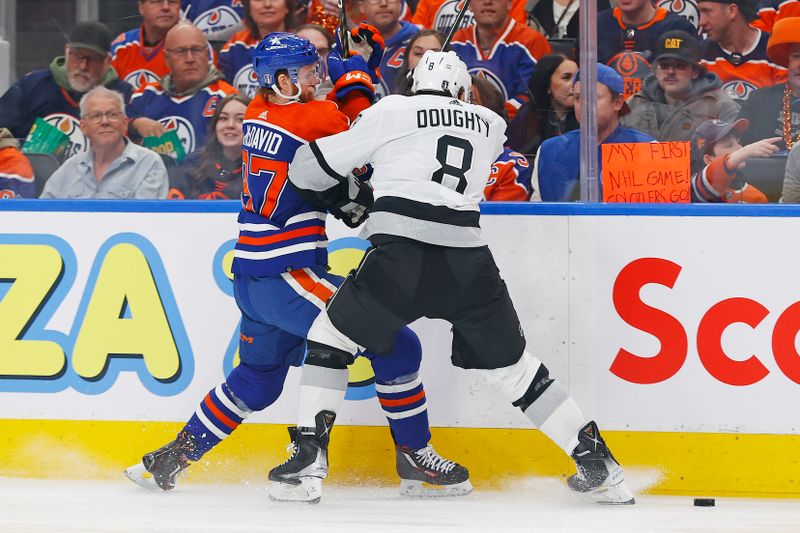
(246,81)
(218,19)
(447,13)
(141,77)
(71,127)
(492,78)
(738,89)
(183,128)
(686,8)
(633,67)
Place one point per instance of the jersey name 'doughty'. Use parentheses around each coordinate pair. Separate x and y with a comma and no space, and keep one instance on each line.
(459,118)
(262,139)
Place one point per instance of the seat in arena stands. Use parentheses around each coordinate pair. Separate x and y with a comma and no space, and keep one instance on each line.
(766,174)
(43,167)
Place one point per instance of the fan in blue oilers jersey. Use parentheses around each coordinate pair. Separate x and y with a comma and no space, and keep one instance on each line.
(261,17)
(186,98)
(281,282)
(735,51)
(218,19)
(53,94)
(628,34)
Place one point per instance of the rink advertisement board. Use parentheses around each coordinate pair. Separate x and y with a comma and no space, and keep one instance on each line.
(676,319)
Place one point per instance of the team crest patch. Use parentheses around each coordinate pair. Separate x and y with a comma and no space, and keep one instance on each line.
(686,8)
(492,78)
(447,13)
(184,130)
(211,106)
(69,126)
(217,19)
(141,77)
(246,81)
(739,89)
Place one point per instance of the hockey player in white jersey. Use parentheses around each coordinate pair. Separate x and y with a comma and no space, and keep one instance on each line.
(431,154)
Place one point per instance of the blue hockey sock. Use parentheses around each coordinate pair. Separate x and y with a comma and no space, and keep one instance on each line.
(215,418)
(403,403)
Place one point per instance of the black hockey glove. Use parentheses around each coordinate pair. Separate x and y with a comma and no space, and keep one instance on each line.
(356,199)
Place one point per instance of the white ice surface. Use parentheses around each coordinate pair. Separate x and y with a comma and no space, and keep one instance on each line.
(538,505)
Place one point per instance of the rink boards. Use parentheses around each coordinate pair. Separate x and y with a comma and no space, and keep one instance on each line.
(674,327)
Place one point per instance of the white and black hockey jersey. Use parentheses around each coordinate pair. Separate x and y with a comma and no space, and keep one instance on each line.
(431,155)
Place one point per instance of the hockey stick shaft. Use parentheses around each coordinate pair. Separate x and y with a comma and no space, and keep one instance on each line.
(454,27)
(342,30)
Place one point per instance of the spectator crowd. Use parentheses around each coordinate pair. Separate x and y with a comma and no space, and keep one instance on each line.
(157,111)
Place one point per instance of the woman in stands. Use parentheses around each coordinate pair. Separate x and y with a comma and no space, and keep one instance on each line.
(551,110)
(261,17)
(420,43)
(215,172)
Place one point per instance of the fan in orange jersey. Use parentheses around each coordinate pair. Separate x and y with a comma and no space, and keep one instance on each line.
(734,50)
(138,55)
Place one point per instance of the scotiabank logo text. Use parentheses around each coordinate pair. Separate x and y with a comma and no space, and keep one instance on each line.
(672,335)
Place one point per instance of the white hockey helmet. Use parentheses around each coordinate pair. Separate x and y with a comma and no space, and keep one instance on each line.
(441,72)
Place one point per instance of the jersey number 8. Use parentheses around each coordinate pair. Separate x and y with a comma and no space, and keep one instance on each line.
(443,146)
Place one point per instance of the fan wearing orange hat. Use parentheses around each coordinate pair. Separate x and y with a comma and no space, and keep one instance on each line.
(775,111)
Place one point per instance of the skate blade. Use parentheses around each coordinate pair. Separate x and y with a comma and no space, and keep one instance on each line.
(307,490)
(618,494)
(420,489)
(139,475)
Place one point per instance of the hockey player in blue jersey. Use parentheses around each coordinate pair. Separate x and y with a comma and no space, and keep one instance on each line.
(281,283)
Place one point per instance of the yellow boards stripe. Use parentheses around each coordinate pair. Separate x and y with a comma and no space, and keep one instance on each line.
(664,463)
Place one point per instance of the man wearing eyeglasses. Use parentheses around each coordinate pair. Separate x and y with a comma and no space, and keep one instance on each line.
(113,167)
(680,94)
(138,54)
(53,94)
(185,99)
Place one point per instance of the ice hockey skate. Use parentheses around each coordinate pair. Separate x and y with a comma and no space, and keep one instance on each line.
(159,469)
(425,474)
(299,479)
(599,475)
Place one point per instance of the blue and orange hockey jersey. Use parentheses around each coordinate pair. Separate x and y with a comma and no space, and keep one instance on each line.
(440,14)
(39,95)
(510,178)
(629,49)
(279,230)
(741,74)
(187,115)
(136,63)
(509,63)
(771,11)
(213,16)
(236,63)
(139,64)
(393,56)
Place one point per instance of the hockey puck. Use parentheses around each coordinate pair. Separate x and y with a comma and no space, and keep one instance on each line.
(704,502)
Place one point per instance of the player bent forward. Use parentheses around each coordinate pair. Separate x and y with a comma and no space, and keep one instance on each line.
(428,259)
(281,282)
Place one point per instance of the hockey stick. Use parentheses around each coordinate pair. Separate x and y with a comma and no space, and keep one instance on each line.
(342,31)
(456,24)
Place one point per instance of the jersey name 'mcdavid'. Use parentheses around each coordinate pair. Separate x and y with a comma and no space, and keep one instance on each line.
(434,118)
(261,139)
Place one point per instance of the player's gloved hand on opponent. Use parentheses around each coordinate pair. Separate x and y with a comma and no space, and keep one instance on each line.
(349,75)
(356,201)
(368,42)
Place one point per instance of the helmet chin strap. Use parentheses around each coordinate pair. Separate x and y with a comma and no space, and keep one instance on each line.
(293,98)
